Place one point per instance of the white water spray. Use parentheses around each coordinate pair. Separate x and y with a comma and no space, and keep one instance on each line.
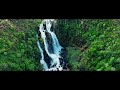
(55,56)
(45,67)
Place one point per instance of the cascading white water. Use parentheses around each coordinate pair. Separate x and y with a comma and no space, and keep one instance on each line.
(55,56)
(45,67)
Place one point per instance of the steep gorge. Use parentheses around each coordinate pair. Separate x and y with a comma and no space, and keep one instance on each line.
(89,44)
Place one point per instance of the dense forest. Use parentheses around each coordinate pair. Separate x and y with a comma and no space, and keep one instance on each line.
(90,44)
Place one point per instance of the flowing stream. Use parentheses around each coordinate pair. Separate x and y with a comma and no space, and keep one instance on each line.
(52,46)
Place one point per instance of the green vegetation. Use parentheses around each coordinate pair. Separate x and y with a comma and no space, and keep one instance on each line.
(91,44)
(18,49)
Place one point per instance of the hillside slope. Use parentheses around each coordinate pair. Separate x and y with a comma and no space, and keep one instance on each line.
(18,48)
(91,44)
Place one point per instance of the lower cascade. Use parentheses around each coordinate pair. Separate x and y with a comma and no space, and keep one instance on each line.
(52,47)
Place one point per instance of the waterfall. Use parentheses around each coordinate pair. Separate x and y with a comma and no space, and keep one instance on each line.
(45,27)
(45,67)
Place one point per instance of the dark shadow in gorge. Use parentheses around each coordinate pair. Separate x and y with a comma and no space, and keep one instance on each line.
(67,32)
(47,59)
